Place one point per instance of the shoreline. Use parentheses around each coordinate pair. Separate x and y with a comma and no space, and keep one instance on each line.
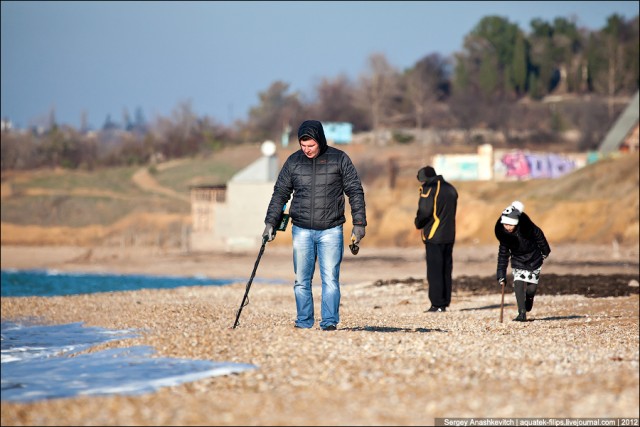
(369,265)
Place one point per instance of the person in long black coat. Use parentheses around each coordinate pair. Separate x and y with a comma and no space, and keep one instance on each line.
(436,218)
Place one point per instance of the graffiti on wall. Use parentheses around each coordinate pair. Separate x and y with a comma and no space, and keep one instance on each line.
(524,165)
(509,164)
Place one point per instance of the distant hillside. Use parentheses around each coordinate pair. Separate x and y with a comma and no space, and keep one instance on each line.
(595,204)
(149,206)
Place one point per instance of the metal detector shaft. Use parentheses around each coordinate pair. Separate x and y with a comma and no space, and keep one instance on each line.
(246,291)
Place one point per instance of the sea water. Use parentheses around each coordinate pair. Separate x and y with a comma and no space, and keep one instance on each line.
(46,362)
(41,361)
(45,283)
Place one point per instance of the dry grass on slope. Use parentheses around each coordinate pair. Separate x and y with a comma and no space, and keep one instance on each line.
(596,204)
(142,228)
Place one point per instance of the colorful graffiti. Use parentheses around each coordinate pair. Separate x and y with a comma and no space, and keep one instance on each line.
(509,164)
(522,165)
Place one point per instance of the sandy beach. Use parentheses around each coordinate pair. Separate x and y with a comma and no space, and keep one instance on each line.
(389,363)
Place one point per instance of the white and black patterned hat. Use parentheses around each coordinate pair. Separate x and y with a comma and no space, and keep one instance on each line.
(511,215)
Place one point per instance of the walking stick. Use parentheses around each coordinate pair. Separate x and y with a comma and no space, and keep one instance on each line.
(502,302)
(245,299)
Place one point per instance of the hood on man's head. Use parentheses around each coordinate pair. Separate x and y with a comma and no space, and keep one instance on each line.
(313,129)
(426,173)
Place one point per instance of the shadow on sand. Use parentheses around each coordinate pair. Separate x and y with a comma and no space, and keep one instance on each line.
(558,318)
(486,307)
(392,329)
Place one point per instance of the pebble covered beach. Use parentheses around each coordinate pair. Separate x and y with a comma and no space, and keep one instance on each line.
(389,362)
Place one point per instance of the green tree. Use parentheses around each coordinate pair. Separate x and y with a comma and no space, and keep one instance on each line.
(519,67)
(567,54)
(489,49)
(533,87)
(488,78)
(541,57)
(461,80)
(621,39)
(501,35)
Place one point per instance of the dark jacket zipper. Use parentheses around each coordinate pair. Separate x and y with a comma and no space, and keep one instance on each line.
(313,192)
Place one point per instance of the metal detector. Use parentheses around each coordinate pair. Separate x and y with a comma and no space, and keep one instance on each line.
(282,226)
(245,298)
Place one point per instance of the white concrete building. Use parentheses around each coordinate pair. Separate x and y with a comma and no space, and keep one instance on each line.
(231,217)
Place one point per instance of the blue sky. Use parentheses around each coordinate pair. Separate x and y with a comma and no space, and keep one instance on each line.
(102,57)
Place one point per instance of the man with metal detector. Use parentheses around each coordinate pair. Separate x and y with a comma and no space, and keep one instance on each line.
(318,176)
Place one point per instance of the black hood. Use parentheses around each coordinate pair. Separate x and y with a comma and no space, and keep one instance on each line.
(426,173)
(313,128)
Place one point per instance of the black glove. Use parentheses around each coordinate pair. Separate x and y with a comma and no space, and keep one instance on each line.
(358,232)
(268,233)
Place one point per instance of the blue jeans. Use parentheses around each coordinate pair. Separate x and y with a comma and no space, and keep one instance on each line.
(327,247)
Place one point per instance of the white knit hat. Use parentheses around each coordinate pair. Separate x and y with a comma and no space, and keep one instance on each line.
(511,215)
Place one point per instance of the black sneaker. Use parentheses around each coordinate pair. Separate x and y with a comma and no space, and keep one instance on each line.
(528,303)
(330,328)
(435,309)
(522,317)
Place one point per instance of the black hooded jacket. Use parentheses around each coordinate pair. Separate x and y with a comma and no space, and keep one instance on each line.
(525,246)
(318,186)
(437,207)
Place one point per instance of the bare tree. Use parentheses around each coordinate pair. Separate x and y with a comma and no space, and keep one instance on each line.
(337,101)
(378,88)
(426,82)
(277,108)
